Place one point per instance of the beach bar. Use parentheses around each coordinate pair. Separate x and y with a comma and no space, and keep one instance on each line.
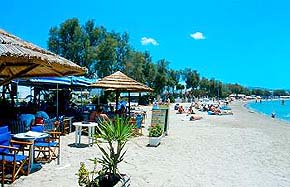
(22,59)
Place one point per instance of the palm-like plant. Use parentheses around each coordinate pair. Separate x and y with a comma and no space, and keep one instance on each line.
(117,133)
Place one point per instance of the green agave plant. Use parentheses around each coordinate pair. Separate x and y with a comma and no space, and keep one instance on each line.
(117,133)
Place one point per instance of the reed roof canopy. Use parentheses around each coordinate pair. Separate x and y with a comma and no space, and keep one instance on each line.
(22,59)
(120,82)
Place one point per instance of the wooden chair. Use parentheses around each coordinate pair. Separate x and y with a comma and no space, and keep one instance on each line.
(47,149)
(136,122)
(132,122)
(12,164)
(66,126)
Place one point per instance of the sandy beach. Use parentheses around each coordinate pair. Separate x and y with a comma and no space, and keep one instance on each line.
(244,149)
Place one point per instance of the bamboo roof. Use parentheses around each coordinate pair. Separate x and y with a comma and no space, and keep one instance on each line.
(121,82)
(21,59)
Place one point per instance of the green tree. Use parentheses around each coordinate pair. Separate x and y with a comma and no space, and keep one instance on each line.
(179,87)
(212,84)
(93,37)
(134,66)
(102,52)
(71,40)
(149,70)
(123,50)
(267,93)
(106,56)
(218,89)
(173,78)
(161,77)
(191,78)
(280,93)
(225,91)
(67,41)
(204,86)
(54,41)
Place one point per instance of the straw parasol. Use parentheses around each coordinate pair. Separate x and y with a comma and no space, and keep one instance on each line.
(21,59)
(120,82)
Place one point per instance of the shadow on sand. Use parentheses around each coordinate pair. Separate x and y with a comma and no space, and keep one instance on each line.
(81,145)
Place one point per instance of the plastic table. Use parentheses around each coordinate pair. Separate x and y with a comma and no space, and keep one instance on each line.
(78,133)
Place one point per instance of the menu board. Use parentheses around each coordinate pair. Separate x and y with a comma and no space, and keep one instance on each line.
(160,116)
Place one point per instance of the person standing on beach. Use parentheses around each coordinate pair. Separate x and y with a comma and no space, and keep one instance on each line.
(273,115)
(168,101)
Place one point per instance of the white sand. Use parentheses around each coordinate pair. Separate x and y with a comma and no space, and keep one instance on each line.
(244,149)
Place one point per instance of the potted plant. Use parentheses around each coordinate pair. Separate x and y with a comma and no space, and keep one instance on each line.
(116,134)
(155,135)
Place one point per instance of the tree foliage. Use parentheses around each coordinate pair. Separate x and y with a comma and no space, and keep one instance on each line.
(191,78)
(105,52)
(280,93)
(161,78)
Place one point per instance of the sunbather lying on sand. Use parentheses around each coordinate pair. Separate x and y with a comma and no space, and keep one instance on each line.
(215,110)
(190,110)
(226,112)
(180,110)
(194,117)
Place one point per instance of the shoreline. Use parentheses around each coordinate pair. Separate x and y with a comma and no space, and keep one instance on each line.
(263,114)
(244,149)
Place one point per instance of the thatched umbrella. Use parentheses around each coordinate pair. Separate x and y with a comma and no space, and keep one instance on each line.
(121,83)
(21,59)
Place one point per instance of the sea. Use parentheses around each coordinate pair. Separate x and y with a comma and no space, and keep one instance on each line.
(280,108)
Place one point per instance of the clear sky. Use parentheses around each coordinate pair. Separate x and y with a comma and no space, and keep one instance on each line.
(243,41)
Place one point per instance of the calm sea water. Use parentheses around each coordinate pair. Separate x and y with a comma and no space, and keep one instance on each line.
(282,111)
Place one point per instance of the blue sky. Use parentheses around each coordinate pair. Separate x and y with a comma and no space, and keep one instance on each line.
(243,41)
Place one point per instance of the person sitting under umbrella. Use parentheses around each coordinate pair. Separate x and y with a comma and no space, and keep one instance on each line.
(99,115)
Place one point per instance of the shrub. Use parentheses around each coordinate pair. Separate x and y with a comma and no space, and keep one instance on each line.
(155,131)
(87,178)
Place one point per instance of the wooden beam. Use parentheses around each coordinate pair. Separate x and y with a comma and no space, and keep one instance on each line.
(58,73)
(10,71)
(19,74)
(2,67)
(13,64)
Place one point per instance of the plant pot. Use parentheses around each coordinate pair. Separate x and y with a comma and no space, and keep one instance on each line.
(123,181)
(154,141)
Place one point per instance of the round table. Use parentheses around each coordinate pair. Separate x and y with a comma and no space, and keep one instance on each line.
(78,133)
(31,136)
